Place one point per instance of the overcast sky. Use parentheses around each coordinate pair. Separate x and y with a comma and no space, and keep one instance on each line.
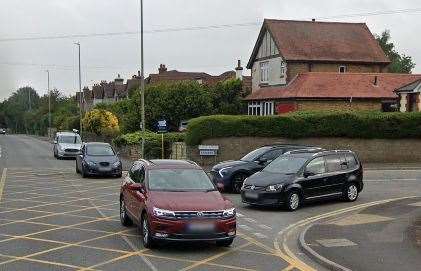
(214,50)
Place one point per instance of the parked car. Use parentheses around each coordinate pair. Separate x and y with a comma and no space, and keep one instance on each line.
(231,174)
(183,125)
(67,144)
(300,176)
(98,159)
(175,201)
(2,131)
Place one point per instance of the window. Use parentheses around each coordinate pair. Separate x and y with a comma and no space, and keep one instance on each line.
(264,72)
(342,69)
(350,159)
(271,155)
(180,180)
(255,108)
(317,166)
(268,109)
(283,69)
(334,163)
(137,173)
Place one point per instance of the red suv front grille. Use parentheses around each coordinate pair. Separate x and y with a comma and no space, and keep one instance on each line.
(198,214)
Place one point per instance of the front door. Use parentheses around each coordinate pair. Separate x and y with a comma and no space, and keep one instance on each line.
(313,185)
(139,196)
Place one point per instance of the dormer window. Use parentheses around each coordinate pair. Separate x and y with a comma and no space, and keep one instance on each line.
(283,69)
(342,69)
(264,72)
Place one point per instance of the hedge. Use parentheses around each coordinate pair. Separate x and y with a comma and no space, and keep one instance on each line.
(152,142)
(351,124)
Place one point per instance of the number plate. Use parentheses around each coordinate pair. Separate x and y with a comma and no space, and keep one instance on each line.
(201,227)
(251,195)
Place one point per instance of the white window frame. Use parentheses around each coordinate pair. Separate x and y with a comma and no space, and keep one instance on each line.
(264,72)
(255,108)
(283,69)
(342,67)
(268,108)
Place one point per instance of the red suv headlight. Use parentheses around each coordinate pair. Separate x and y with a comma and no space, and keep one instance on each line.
(229,213)
(163,213)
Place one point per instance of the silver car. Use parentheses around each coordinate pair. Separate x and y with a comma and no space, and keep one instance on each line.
(67,144)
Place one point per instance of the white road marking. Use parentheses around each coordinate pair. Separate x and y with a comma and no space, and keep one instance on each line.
(336,242)
(244,227)
(260,235)
(390,180)
(240,215)
(251,220)
(2,181)
(263,226)
(415,204)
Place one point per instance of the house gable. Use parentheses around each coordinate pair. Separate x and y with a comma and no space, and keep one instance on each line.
(267,47)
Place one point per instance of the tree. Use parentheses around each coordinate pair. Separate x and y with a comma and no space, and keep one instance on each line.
(400,63)
(227,97)
(101,122)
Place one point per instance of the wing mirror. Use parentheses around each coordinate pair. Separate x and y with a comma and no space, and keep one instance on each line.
(136,187)
(308,173)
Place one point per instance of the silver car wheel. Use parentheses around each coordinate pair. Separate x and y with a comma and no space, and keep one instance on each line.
(294,201)
(352,192)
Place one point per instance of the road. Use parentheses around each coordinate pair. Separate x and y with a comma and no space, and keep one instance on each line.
(52,219)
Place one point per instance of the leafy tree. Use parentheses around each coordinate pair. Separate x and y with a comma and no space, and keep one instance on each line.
(400,63)
(227,97)
(101,122)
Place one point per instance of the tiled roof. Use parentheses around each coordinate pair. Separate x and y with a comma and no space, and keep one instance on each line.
(409,87)
(98,91)
(323,41)
(174,75)
(109,90)
(325,85)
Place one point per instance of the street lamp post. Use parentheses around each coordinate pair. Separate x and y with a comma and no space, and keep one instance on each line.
(142,82)
(49,103)
(80,93)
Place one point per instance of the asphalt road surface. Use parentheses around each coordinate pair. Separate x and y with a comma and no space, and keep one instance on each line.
(52,219)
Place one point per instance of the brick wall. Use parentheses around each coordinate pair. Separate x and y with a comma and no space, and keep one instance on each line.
(334,105)
(369,150)
(295,68)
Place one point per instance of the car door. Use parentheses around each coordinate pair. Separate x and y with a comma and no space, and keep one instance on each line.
(336,173)
(127,192)
(139,196)
(314,184)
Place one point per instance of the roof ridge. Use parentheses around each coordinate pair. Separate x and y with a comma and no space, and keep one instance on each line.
(363,73)
(305,21)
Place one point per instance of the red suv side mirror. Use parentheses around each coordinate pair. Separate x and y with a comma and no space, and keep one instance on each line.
(136,187)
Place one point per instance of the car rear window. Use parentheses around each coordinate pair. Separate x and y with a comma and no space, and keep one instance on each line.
(334,163)
(350,159)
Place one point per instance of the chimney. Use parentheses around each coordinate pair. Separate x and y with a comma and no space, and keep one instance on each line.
(313,20)
(119,80)
(376,81)
(239,71)
(162,68)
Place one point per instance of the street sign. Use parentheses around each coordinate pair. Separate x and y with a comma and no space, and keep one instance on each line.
(208,150)
(162,126)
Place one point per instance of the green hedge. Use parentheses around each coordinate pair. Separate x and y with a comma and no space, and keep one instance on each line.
(152,142)
(351,124)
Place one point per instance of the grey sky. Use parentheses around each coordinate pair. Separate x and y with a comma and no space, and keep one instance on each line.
(213,51)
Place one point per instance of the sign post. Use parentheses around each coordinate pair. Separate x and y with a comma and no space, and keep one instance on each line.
(162,128)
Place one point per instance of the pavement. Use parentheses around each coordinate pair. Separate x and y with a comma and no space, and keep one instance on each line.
(381,237)
(52,219)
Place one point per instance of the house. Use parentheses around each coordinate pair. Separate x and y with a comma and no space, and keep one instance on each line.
(167,76)
(287,53)
(409,96)
(285,48)
(331,90)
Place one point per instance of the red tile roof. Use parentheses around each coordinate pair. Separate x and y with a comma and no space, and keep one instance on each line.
(326,85)
(323,41)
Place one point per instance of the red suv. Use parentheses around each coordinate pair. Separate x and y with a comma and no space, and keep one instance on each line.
(176,201)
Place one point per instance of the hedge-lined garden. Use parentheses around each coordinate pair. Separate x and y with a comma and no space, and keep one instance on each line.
(152,142)
(349,124)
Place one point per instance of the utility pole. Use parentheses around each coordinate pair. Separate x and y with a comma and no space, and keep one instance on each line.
(142,82)
(80,94)
(49,103)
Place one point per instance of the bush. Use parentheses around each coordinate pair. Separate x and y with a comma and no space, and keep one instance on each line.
(351,124)
(101,122)
(152,142)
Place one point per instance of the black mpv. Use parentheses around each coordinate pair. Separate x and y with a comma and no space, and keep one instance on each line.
(231,174)
(294,178)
